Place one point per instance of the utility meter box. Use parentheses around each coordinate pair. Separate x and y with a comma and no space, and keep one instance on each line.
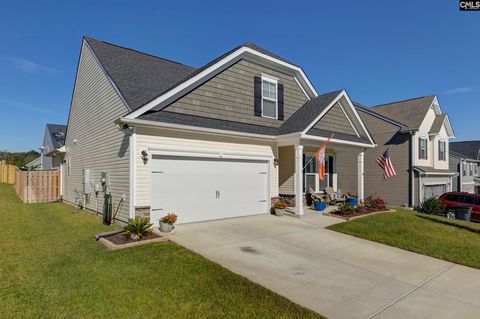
(105,182)
(87,189)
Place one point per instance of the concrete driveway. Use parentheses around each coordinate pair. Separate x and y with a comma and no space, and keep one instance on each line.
(336,275)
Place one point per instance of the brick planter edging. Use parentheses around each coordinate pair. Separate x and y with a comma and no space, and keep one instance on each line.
(112,246)
(360,216)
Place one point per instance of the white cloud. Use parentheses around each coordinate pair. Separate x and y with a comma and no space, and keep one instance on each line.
(30,66)
(23,106)
(460,90)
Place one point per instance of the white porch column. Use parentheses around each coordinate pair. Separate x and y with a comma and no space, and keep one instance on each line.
(298,180)
(361,175)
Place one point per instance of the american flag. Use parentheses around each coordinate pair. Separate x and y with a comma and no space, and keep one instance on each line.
(386,164)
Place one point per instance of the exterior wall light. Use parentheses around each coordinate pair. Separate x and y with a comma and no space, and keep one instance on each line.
(144,157)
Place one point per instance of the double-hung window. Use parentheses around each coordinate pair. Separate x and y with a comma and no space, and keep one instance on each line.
(422,148)
(269,98)
(442,153)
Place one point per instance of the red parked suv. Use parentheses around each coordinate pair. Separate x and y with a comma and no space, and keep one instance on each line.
(455,199)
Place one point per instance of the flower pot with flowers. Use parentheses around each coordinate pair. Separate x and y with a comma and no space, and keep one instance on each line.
(280,206)
(167,223)
(319,203)
(351,199)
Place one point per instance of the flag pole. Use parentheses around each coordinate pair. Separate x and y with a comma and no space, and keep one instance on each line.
(314,156)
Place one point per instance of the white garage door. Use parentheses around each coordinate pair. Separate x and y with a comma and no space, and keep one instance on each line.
(199,189)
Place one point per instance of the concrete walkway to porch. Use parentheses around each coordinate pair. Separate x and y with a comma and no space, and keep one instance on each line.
(334,274)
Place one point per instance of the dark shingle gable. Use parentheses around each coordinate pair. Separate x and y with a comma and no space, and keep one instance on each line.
(466,149)
(140,77)
(409,112)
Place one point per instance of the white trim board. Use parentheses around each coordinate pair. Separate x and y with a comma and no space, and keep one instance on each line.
(223,63)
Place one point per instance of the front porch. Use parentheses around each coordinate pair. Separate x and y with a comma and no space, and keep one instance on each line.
(299,172)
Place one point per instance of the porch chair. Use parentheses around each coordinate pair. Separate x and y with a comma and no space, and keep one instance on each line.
(315,194)
(334,196)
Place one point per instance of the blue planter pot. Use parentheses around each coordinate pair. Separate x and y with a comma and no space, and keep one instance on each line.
(320,205)
(352,201)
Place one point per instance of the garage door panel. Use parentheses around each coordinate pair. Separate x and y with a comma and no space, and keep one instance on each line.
(205,189)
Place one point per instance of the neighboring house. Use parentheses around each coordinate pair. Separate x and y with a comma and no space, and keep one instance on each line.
(416,133)
(465,159)
(52,148)
(213,142)
(36,164)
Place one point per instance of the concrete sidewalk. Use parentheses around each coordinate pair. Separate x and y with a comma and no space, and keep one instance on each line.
(337,275)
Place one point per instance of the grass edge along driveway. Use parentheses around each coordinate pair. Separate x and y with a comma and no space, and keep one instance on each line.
(51,267)
(411,231)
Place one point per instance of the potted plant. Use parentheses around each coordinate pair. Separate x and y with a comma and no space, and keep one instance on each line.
(319,203)
(167,222)
(279,205)
(351,199)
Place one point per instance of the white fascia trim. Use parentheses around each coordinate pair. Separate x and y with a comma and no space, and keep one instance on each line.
(108,76)
(301,88)
(323,112)
(448,126)
(348,118)
(232,56)
(133,179)
(358,118)
(386,119)
(334,140)
(146,123)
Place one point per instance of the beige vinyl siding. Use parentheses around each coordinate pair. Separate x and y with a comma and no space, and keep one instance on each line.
(286,163)
(335,121)
(395,189)
(99,145)
(149,139)
(229,96)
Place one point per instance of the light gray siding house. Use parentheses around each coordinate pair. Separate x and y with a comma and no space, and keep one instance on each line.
(465,160)
(213,142)
(416,133)
(51,149)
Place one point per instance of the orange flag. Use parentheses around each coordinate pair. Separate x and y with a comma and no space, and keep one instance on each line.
(320,156)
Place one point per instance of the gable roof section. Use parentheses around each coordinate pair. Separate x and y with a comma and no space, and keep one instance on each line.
(57,134)
(139,77)
(410,112)
(437,123)
(369,110)
(466,149)
(142,79)
(299,120)
(248,51)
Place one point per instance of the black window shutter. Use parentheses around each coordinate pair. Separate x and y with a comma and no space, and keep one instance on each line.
(420,148)
(257,92)
(280,101)
(439,151)
(426,148)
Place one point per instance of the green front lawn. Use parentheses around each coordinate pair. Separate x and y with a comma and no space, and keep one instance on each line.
(51,267)
(424,234)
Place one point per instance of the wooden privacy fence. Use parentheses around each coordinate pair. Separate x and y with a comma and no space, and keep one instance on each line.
(7,173)
(38,186)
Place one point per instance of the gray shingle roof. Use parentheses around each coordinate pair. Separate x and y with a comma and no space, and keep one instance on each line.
(466,149)
(57,133)
(140,77)
(409,112)
(205,122)
(433,171)
(437,123)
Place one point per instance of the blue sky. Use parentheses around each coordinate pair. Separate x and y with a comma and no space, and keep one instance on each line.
(379,51)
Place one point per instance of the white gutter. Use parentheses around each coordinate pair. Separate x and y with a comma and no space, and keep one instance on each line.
(334,140)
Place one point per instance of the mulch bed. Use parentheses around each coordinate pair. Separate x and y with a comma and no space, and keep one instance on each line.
(120,239)
(356,215)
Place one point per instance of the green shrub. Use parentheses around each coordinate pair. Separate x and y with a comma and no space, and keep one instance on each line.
(431,206)
(137,228)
